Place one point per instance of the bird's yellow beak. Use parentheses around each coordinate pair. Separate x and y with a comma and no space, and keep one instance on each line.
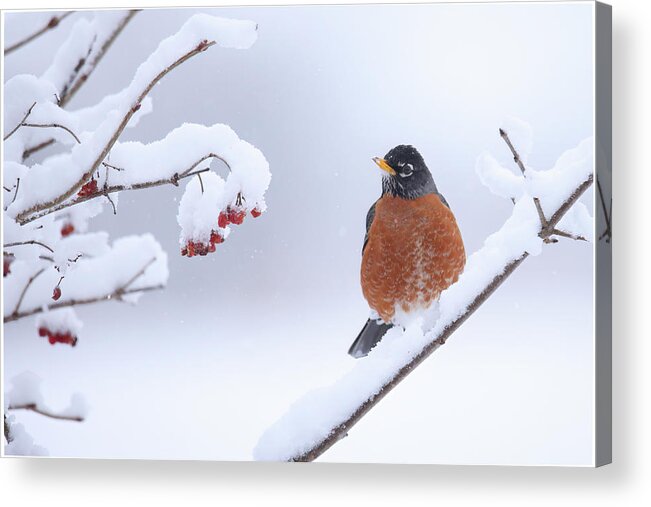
(382,164)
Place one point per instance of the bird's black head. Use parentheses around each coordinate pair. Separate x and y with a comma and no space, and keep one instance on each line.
(407,175)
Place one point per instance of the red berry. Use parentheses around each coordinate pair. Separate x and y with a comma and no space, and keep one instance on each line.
(235,215)
(43,331)
(216,238)
(52,339)
(222,221)
(88,189)
(56,293)
(67,230)
(6,264)
(190,249)
(256,212)
(184,251)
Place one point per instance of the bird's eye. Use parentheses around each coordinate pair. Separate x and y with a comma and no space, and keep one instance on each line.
(407,171)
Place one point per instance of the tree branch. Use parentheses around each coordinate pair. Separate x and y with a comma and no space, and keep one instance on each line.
(80,302)
(42,411)
(51,25)
(341,430)
(30,242)
(24,215)
(109,189)
(117,294)
(76,81)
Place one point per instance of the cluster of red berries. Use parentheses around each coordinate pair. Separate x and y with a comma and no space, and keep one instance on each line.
(235,215)
(231,215)
(7,259)
(68,338)
(88,189)
(193,248)
(67,230)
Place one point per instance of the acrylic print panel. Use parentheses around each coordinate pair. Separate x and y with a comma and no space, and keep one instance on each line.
(183,267)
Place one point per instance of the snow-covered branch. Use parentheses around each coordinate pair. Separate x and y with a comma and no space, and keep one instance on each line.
(106,27)
(26,394)
(52,23)
(321,418)
(197,35)
(132,266)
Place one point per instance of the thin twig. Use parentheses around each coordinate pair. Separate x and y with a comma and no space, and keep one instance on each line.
(565,234)
(33,149)
(109,166)
(24,291)
(200,182)
(140,272)
(52,125)
(42,411)
(518,161)
(24,215)
(79,302)
(29,242)
(20,123)
(516,156)
(51,24)
(16,192)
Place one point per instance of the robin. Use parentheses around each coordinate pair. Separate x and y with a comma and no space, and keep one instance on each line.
(412,250)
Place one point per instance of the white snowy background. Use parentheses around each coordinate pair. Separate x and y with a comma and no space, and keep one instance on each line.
(200,370)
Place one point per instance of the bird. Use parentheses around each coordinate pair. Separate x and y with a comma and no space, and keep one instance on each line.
(413,249)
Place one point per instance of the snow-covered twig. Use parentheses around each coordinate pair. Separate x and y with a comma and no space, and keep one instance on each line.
(51,24)
(30,281)
(547,230)
(24,216)
(118,294)
(113,296)
(45,412)
(85,68)
(110,189)
(304,434)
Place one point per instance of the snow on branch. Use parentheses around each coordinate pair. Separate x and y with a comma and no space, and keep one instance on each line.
(136,166)
(322,417)
(26,394)
(85,269)
(52,23)
(66,173)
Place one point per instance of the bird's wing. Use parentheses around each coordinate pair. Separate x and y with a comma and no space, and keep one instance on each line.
(369,220)
(443,200)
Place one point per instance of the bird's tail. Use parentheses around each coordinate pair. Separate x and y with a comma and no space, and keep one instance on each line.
(368,337)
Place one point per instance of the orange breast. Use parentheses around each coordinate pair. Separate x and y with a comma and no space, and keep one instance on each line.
(414,252)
